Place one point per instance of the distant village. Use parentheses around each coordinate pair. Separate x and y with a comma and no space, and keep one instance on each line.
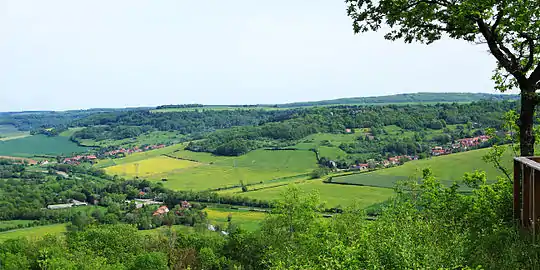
(459,146)
(117,153)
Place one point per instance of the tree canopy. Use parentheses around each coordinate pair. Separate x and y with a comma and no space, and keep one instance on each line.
(510,29)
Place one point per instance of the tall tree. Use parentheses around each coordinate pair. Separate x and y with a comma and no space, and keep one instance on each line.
(509,28)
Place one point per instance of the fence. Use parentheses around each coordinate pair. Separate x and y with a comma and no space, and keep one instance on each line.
(527,191)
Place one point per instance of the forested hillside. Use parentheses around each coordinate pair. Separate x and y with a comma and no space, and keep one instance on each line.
(406,98)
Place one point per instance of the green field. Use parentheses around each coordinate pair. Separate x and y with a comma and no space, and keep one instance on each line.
(151,138)
(151,166)
(254,167)
(139,156)
(13,223)
(39,145)
(447,169)
(332,194)
(248,220)
(9,132)
(33,232)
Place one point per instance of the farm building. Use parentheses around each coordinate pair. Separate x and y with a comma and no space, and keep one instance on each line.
(161,211)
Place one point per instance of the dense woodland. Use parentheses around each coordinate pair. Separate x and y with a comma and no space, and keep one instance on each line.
(420,119)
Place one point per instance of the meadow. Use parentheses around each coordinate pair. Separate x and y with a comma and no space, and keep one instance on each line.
(151,166)
(33,232)
(39,145)
(447,169)
(9,132)
(248,220)
(332,195)
(13,223)
(151,138)
(139,156)
(255,167)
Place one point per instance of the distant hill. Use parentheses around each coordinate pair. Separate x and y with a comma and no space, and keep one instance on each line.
(425,97)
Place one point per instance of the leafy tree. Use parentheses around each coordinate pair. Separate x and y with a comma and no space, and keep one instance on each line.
(511,30)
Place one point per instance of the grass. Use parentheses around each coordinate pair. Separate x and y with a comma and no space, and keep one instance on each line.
(13,223)
(247,220)
(254,167)
(154,137)
(69,132)
(39,145)
(202,157)
(151,166)
(332,194)
(9,132)
(33,232)
(447,168)
(139,156)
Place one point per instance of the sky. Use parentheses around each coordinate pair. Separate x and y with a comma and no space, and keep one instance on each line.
(65,54)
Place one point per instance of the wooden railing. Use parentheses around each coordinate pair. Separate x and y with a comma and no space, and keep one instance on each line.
(527,191)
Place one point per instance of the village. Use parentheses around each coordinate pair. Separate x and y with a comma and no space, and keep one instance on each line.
(460,145)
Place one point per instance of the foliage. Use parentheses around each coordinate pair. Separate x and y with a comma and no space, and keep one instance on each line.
(509,28)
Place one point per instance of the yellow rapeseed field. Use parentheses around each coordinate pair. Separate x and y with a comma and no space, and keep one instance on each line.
(151,166)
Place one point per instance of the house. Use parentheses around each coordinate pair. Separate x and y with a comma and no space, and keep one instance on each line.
(78,203)
(186,204)
(393,160)
(161,211)
(59,206)
(437,151)
(361,166)
(348,130)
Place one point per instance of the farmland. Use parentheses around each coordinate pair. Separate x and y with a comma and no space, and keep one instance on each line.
(254,167)
(333,195)
(39,145)
(151,166)
(246,219)
(9,132)
(448,169)
(33,232)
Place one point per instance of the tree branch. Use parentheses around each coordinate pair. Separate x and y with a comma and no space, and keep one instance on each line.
(532,47)
(505,57)
(535,76)
(492,44)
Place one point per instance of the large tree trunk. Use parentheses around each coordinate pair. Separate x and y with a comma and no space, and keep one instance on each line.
(526,120)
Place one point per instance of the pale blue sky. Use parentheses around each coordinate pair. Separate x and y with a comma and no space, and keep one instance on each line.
(67,54)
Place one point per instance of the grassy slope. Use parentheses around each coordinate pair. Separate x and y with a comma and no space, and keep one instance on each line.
(246,219)
(333,195)
(139,156)
(12,223)
(151,166)
(39,145)
(33,232)
(256,166)
(446,168)
(154,137)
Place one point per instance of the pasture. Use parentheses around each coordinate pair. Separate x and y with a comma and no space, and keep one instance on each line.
(447,169)
(39,145)
(150,167)
(13,223)
(9,132)
(248,220)
(332,195)
(254,167)
(154,137)
(139,156)
(33,232)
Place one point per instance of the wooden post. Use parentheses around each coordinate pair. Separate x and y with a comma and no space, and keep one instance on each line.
(517,187)
(526,192)
(536,200)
